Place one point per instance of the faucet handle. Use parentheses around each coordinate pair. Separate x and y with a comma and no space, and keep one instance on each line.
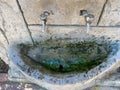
(83,13)
(46,13)
(89,18)
(42,17)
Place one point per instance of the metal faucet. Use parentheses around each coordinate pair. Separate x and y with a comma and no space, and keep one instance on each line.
(43,17)
(88,18)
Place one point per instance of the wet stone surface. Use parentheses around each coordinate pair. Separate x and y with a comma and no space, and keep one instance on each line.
(66,55)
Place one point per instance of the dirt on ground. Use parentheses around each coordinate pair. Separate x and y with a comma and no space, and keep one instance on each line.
(19,86)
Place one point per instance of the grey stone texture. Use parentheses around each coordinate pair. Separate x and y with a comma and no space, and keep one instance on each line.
(111,14)
(63,11)
(13,28)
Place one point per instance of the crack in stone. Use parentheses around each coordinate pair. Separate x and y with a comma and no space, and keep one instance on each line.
(3,23)
(3,31)
(19,6)
(4,34)
(101,14)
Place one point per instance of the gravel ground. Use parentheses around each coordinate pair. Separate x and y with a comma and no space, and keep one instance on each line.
(7,85)
(19,86)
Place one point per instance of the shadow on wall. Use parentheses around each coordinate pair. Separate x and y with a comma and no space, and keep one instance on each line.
(3,67)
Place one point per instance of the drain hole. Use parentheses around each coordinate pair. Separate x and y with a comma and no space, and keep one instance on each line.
(60,67)
(118,69)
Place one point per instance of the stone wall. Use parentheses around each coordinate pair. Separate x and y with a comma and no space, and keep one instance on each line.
(63,11)
(111,14)
(12,26)
(106,12)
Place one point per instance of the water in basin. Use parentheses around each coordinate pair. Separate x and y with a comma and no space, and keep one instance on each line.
(65,55)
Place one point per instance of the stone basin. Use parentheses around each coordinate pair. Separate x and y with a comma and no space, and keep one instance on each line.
(65,60)
(65,55)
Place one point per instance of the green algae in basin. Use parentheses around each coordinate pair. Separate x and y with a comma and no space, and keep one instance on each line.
(59,56)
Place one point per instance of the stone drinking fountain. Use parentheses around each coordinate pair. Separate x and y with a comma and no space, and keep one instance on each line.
(59,61)
(55,56)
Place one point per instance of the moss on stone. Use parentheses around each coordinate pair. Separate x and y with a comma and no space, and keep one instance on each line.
(58,56)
